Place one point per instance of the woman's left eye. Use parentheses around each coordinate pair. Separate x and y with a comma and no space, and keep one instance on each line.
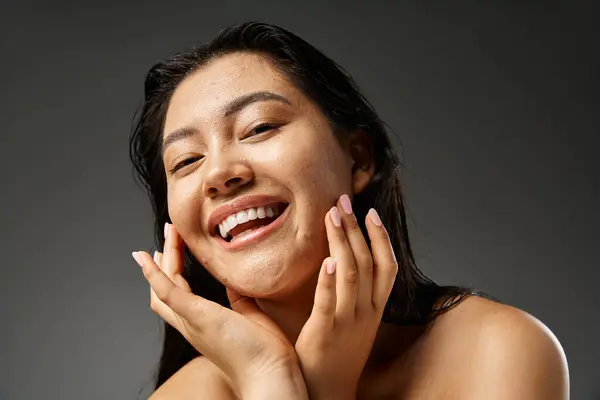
(263,128)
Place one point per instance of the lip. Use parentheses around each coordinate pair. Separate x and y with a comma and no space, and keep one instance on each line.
(256,235)
(239,204)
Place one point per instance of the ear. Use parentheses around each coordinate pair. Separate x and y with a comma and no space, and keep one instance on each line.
(360,148)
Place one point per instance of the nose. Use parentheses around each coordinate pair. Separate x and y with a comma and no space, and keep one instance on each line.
(226,174)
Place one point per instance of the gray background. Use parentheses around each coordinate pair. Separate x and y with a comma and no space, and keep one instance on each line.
(494,107)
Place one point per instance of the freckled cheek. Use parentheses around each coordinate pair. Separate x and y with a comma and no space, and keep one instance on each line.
(317,173)
(185,212)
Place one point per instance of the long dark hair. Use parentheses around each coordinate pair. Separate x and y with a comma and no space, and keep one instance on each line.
(332,89)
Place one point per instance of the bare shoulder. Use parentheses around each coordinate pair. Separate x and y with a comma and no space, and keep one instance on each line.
(486,349)
(198,379)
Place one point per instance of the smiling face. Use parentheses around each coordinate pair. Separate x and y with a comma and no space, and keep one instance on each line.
(238,136)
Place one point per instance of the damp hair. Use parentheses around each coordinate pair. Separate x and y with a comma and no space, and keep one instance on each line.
(414,296)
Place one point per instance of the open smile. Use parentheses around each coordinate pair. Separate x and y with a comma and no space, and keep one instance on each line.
(250,225)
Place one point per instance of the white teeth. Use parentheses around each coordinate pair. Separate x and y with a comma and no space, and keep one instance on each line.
(231,222)
(244,216)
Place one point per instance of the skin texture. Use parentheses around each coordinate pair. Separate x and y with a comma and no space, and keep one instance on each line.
(478,350)
(282,270)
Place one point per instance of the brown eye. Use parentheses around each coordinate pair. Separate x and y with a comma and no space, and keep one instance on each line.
(185,163)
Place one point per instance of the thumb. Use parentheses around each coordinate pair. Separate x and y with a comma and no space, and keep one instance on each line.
(247,307)
(242,304)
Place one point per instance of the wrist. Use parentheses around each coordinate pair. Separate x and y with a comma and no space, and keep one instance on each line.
(285,383)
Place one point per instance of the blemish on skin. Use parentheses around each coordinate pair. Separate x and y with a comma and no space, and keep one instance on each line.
(283,163)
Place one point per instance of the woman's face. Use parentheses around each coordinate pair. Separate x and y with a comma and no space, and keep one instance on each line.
(244,146)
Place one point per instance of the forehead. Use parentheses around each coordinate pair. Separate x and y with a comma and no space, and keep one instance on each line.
(203,94)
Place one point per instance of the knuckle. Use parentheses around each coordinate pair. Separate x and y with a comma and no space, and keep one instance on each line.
(383,236)
(328,284)
(339,236)
(325,307)
(351,276)
(366,262)
(351,222)
(165,297)
(381,233)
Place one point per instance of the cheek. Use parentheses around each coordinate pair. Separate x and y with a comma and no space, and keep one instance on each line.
(318,170)
(184,208)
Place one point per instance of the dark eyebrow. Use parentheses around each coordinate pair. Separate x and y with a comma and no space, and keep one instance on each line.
(233,107)
(244,101)
(176,135)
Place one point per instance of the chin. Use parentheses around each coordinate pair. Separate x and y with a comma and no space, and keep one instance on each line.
(271,279)
(275,267)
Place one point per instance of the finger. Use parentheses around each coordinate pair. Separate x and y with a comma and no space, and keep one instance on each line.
(158,306)
(178,280)
(163,310)
(386,266)
(172,260)
(157,257)
(248,308)
(362,255)
(347,274)
(323,312)
(180,301)
(241,304)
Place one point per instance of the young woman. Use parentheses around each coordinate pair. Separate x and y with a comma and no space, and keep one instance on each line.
(286,270)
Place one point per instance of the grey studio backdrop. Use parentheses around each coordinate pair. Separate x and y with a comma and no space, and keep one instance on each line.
(494,107)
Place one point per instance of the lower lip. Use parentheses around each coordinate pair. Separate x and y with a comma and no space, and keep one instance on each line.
(256,235)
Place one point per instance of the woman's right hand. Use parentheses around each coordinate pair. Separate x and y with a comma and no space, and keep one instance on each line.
(243,342)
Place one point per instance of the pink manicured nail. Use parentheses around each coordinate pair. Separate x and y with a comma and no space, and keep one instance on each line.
(335,216)
(166,229)
(346,204)
(155,256)
(331,266)
(374,217)
(137,258)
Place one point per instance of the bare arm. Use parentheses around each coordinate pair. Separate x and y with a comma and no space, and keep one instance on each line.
(201,379)
(198,379)
(285,384)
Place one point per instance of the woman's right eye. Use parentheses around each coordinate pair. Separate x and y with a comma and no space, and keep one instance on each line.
(184,163)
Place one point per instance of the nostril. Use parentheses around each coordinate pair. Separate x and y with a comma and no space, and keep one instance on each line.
(233,182)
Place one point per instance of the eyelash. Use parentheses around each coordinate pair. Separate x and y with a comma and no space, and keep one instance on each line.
(269,127)
(258,127)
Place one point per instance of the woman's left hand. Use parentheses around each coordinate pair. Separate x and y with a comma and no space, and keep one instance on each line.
(336,341)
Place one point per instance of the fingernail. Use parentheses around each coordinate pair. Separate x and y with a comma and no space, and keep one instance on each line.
(374,217)
(346,204)
(155,256)
(166,229)
(335,216)
(137,258)
(331,266)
